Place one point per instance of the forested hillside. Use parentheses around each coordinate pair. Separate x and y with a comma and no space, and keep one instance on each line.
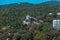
(12,16)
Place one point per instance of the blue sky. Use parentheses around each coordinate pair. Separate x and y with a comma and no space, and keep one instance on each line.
(3,2)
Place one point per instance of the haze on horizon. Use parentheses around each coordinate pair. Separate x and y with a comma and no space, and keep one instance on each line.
(4,2)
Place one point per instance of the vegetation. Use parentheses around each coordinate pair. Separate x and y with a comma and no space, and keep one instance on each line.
(12,16)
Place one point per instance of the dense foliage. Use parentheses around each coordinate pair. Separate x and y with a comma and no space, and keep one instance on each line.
(12,16)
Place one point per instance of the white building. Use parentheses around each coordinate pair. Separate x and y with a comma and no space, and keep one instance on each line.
(4,28)
(50,13)
(27,17)
(58,13)
(26,22)
(8,39)
(56,23)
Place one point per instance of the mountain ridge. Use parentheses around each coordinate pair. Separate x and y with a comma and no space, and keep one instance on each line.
(49,5)
(30,4)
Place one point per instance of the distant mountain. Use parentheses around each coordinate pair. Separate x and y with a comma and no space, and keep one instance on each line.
(51,3)
(50,6)
(20,4)
(30,4)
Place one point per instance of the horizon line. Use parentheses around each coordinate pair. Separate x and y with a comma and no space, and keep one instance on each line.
(23,2)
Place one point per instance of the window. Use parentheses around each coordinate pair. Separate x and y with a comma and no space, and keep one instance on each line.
(56,23)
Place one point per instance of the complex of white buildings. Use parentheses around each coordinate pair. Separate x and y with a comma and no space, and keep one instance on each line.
(30,19)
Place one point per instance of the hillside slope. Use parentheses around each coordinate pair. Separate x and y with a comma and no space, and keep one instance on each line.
(12,16)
